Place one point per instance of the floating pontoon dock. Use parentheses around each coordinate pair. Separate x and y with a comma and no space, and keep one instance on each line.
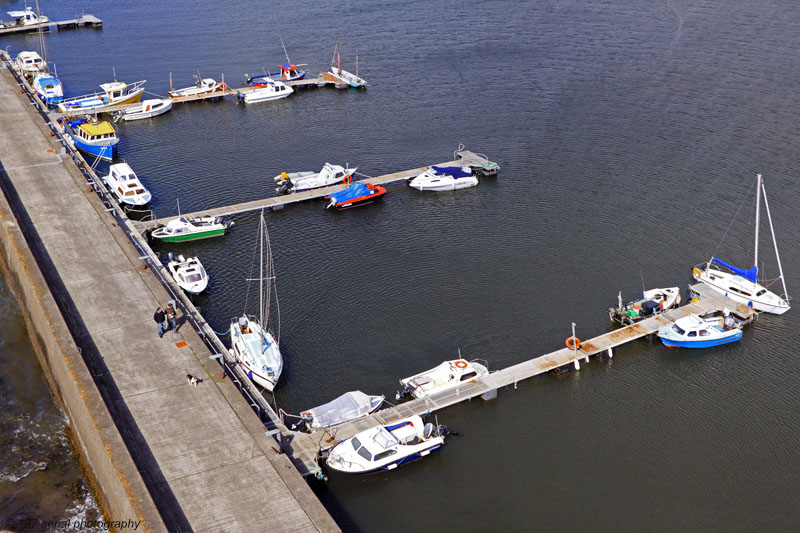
(324,439)
(463,157)
(83,21)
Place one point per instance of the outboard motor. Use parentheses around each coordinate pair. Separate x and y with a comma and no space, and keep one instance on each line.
(170,256)
(427,431)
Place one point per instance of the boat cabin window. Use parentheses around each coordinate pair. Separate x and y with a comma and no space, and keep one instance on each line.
(469,375)
(692,334)
(384,455)
(761,292)
(116,94)
(356,443)
(365,454)
(704,332)
(194,278)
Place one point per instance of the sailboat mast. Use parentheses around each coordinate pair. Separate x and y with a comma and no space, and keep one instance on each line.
(774,242)
(338,58)
(261,273)
(41,35)
(289,61)
(758,208)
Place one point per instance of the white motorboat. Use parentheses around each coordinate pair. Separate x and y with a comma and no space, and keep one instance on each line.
(342,76)
(252,341)
(189,274)
(28,17)
(444,179)
(190,229)
(741,285)
(446,376)
(693,331)
(268,90)
(202,86)
(349,406)
(652,303)
(125,185)
(48,87)
(303,181)
(30,63)
(147,109)
(386,447)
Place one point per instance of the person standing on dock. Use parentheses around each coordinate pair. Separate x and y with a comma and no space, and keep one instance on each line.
(172,314)
(161,320)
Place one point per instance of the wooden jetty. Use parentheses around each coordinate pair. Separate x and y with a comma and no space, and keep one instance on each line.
(321,440)
(462,157)
(85,20)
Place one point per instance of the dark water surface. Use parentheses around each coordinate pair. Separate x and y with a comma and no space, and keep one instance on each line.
(629,134)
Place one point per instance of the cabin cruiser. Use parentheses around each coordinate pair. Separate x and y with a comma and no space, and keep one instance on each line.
(30,63)
(652,303)
(446,376)
(303,181)
(125,185)
(444,179)
(114,93)
(190,229)
(387,446)
(288,72)
(48,87)
(97,138)
(269,90)
(693,331)
(189,274)
(28,17)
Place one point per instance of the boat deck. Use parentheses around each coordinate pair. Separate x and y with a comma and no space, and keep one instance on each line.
(321,440)
(83,21)
(465,157)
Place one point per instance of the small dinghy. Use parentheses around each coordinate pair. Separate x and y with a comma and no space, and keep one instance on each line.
(446,376)
(304,181)
(190,229)
(147,109)
(189,274)
(652,303)
(695,332)
(356,194)
(349,406)
(386,447)
(444,179)
(125,185)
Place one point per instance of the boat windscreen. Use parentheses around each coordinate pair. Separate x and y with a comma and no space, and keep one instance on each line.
(455,172)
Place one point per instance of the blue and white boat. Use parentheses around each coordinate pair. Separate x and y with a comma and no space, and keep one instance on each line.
(95,138)
(695,332)
(386,447)
(288,72)
(49,88)
(444,179)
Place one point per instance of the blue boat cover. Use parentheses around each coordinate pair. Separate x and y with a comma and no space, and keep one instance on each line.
(356,190)
(456,172)
(751,274)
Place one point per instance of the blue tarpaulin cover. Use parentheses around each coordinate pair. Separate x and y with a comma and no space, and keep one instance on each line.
(751,274)
(456,172)
(356,190)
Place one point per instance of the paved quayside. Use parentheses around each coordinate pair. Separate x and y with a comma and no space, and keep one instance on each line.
(201,451)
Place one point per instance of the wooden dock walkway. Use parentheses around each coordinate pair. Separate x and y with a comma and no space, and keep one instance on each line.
(85,20)
(322,440)
(462,157)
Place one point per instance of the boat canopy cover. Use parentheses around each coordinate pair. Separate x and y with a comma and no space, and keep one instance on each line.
(456,172)
(288,67)
(356,190)
(97,128)
(751,274)
(348,406)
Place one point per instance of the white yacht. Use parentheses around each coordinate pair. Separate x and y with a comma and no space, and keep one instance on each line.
(30,63)
(269,90)
(742,285)
(444,179)
(189,274)
(146,109)
(446,376)
(202,86)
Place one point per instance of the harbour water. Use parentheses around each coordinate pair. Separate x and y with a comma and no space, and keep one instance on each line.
(629,135)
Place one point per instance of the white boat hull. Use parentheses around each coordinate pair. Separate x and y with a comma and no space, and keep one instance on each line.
(149,109)
(742,290)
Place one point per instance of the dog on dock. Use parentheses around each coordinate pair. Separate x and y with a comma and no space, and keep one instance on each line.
(193,380)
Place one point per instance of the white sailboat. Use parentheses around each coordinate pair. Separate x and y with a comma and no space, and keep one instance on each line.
(253,343)
(742,285)
(343,76)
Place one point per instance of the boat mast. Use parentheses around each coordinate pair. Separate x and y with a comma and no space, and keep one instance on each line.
(758,207)
(289,61)
(338,58)
(41,36)
(774,243)
(261,274)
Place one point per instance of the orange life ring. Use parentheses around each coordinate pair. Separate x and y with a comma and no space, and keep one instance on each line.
(224,86)
(348,180)
(573,343)
(697,272)
(461,364)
